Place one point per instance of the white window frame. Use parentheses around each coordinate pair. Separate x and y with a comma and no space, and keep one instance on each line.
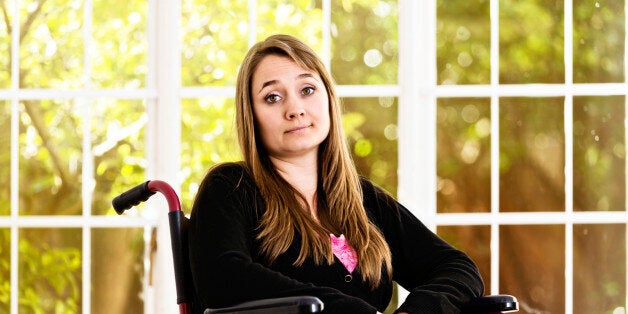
(417,131)
(417,91)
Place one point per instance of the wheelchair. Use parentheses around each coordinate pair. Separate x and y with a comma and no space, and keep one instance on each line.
(489,304)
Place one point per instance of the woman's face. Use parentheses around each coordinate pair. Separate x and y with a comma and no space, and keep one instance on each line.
(291,107)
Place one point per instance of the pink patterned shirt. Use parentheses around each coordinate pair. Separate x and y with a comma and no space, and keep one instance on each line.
(344,251)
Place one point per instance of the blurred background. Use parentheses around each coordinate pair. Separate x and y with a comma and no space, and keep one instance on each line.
(525,157)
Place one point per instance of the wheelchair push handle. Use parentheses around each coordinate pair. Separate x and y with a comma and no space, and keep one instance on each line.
(142,193)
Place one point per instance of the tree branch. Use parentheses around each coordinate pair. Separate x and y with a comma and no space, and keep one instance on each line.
(48,143)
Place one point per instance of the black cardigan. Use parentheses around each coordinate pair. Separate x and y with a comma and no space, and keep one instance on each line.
(227,269)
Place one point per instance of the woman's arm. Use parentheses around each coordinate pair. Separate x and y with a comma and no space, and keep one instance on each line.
(221,238)
(440,278)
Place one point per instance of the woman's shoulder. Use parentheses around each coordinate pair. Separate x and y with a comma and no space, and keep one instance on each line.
(227,169)
(371,189)
(232,174)
(376,199)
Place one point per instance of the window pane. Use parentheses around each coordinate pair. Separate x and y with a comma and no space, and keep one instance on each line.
(364,42)
(476,242)
(118,130)
(599,289)
(208,137)
(463,39)
(599,153)
(120,44)
(52,49)
(531,41)
(50,158)
(532,156)
(463,154)
(5,158)
(117,285)
(5,270)
(50,270)
(371,128)
(532,266)
(214,41)
(5,46)
(302,19)
(599,31)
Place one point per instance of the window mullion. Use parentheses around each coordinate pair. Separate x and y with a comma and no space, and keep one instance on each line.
(326,29)
(417,112)
(15,60)
(495,136)
(164,136)
(626,143)
(568,129)
(87,173)
(252,22)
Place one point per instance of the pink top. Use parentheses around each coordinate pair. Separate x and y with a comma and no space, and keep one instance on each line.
(344,251)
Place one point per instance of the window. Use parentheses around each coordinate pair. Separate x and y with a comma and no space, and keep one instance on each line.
(500,123)
(524,103)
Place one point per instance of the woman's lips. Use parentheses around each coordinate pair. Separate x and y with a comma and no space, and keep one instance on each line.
(299,128)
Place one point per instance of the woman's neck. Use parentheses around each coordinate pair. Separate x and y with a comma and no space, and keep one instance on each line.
(302,176)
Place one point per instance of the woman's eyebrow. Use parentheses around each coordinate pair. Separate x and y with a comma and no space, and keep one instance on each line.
(300,76)
(271,82)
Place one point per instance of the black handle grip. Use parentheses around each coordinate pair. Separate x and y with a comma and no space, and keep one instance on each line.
(131,197)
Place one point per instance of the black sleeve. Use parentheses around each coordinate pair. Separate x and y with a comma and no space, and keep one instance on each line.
(221,238)
(440,278)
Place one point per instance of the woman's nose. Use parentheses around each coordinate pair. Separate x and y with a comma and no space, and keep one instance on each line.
(296,113)
(295,110)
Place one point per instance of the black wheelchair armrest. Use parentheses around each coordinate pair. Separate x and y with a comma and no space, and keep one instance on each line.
(499,303)
(288,305)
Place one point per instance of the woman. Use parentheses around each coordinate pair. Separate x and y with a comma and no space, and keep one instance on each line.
(294,217)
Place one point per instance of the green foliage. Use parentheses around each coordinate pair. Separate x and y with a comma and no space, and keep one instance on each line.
(214,41)
(120,60)
(51,278)
(364,42)
(52,46)
(5,270)
(463,42)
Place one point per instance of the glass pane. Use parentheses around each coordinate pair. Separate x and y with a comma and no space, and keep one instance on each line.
(531,41)
(599,29)
(214,41)
(532,155)
(371,128)
(50,270)
(50,158)
(5,45)
(117,285)
(599,289)
(52,49)
(463,154)
(5,270)
(364,42)
(532,266)
(118,130)
(463,42)
(476,242)
(599,153)
(5,158)
(302,18)
(208,137)
(119,52)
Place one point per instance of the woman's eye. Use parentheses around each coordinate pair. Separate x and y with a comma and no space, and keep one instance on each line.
(272,98)
(308,91)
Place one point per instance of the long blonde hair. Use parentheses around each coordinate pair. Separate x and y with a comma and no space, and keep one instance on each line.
(339,195)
